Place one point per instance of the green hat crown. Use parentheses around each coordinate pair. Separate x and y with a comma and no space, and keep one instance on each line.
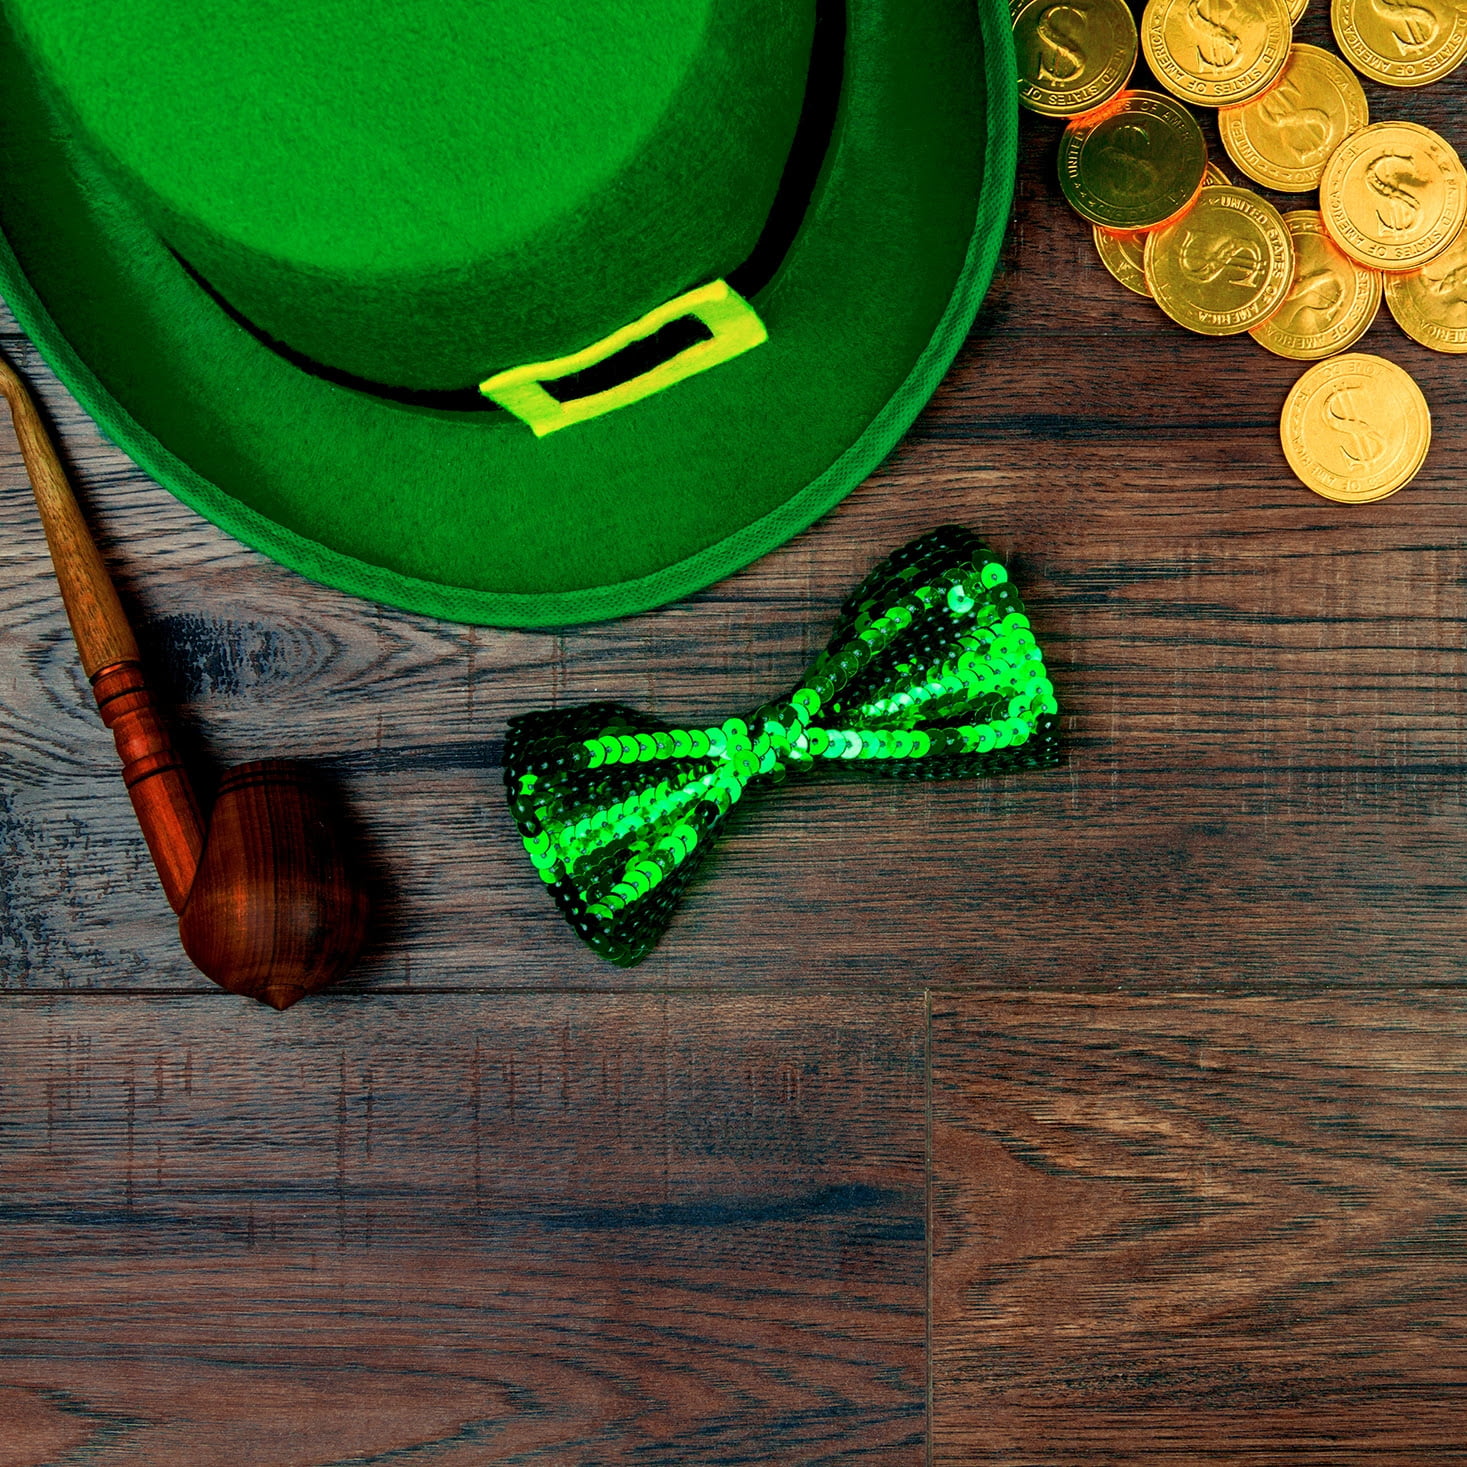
(446,191)
(559,207)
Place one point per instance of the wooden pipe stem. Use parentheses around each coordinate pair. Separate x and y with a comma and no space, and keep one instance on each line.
(157,783)
(103,636)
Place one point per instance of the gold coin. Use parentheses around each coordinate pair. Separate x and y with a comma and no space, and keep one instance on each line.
(1074,55)
(1216,53)
(1355,428)
(1296,10)
(1331,303)
(1136,164)
(1225,266)
(1284,138)
(1430,304)
(1121,250)
(1393,195)
(1403,43)
(1121,253)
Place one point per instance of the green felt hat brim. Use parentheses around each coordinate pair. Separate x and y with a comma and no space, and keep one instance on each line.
(468,516)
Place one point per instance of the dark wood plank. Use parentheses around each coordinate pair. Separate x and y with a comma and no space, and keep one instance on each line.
(1320,701)
(1200,1229)
(568,1230)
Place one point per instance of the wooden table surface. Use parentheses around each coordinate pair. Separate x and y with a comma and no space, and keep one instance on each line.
(1111,1114)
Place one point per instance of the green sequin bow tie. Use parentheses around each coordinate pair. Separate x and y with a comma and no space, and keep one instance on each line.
(932,673)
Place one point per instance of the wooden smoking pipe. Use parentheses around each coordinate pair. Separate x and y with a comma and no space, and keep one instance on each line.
(268,903)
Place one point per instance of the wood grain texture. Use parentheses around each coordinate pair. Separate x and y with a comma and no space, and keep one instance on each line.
(462,1231)
(1200,1229)
(1194,1151)
(1263,691)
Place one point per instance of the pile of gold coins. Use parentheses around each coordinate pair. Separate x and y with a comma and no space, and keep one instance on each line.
(1221,260)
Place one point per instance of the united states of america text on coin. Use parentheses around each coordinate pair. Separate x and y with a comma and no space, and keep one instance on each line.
(1284,138)
(1216,53)
(1401,43)
(1136,164)
(1225,266)
(1331,303)
(1394,195)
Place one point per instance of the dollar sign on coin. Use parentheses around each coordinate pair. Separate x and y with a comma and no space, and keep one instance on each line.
(1059,59)
(1305,129)
(1391,178)
(1355,428)
(1074,55)
(1361,443)
(1133,165)
(1126,150)
(1412,27)
(1217,46)
(1225,266)
(1216,53)
(1394,195)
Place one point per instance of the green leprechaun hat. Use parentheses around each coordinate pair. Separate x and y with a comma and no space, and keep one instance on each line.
(516,311)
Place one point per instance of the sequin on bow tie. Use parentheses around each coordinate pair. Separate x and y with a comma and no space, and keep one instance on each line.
(932,673)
